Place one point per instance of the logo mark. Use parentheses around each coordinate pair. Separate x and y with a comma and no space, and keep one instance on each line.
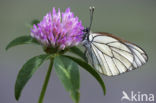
(137,96)
(125,96)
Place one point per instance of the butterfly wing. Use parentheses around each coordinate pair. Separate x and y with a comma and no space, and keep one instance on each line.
(140,56)
(112,56)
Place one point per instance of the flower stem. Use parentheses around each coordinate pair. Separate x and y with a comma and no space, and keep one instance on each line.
(46,82)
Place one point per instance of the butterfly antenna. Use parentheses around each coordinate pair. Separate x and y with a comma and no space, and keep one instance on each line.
(91,9)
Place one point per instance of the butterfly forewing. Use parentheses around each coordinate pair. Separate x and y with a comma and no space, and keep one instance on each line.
(111,55)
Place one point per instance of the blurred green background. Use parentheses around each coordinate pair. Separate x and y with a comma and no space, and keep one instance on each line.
(133,20)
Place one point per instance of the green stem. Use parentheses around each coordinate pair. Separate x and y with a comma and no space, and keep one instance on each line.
(46,82)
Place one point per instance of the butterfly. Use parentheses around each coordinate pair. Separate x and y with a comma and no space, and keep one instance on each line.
(109,54)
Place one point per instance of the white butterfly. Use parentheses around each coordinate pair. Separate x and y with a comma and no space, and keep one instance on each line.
(111,55)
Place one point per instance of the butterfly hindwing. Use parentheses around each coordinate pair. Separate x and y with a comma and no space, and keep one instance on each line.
(140,57)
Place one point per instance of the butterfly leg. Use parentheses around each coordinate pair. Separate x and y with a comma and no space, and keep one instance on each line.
(85,55)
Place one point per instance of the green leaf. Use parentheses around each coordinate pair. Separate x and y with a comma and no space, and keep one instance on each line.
(78,52)
(27,71)
(88,68)
(68,73)
(35,21)
(22,40)
(30,25)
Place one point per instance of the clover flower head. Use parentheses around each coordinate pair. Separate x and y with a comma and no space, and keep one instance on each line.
(58,30)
